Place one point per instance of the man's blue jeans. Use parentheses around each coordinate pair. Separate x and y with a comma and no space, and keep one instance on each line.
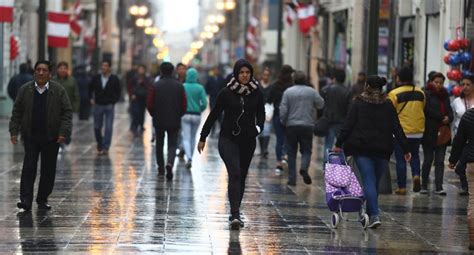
(371,169)
(102,112)
(302,136)
(330,138)
(401,165)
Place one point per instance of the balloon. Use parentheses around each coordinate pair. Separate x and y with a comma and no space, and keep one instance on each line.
(466,73)
(454,74)
(465,43)
(446,44)
(454,59)
(466,57)
(457,91)
(446,58)
(453,45)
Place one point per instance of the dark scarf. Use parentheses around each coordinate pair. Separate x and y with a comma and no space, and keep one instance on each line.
(242,89)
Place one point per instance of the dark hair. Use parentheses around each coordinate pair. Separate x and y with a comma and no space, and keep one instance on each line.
(339,75)
(142,65)
(469,77)
(430,75)
(300,78)
(43,62)
(166,68)
(405,74)
(284,76)
(62,63)
(376,81)
(179,65)
(24,67)
(107,61)
(437,75)
(362,74)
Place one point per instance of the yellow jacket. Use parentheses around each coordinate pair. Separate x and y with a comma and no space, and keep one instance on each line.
(412,116)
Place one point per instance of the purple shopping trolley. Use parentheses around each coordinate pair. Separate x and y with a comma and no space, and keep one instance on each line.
(343,191)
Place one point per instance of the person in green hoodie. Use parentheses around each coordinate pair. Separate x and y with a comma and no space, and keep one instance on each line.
(196,104)
(69,84)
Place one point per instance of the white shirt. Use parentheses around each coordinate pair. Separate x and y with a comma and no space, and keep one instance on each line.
(43,89)
(459,108)
(104,80)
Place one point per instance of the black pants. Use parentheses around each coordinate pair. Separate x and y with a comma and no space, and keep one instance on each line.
(84,109)
(431,154)
(172,144)
(237,156)
(49,153)
(137,108)
(461,171)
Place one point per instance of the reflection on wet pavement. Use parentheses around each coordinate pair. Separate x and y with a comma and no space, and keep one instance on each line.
(118,204)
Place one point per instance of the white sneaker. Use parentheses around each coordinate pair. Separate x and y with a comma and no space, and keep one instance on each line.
(440,192)
(423,191)
(374,222)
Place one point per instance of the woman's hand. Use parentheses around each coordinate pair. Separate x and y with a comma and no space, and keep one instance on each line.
(446,120)
(452,165)
(337,149)
(201,146)
(408,157)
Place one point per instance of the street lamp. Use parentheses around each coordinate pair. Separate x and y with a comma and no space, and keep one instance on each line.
(227,5)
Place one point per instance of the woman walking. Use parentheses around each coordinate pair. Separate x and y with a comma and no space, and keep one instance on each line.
(437,135)
(285,80)
(138,90)
(244,115)
(367,135)
(464,142)
(196,103)
(460,105)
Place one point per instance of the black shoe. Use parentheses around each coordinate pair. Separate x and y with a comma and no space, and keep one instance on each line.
(306,177)
(169,172)
(189,164)
(181,155)
(236,223)
(161,171)
(24,206)
(291,183)
(44,206)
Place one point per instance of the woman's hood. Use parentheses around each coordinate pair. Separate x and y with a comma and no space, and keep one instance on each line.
(191,75)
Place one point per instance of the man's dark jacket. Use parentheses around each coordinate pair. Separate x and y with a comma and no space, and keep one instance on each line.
(108,95)
(167,103)
(59,111)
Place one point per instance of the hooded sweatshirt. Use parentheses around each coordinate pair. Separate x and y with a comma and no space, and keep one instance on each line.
(195,93)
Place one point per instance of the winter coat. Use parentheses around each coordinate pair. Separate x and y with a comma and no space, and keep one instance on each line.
(369,129)
(72,90)
(464,139)
(59,111)
(298,106)
(166,103)
(337,99)
(434,116)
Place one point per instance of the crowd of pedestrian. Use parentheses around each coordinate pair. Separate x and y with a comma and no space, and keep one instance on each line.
(370,121)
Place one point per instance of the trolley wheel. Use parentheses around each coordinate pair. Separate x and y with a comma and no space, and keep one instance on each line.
(365,220)
(335,219)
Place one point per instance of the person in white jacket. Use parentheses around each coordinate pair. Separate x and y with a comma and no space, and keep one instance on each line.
(460,105)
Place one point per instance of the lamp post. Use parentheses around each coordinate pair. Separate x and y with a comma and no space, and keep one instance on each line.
(228,6)
(138,13)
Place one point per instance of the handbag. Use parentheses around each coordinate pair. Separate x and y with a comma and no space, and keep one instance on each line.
(444,135)
(321,127)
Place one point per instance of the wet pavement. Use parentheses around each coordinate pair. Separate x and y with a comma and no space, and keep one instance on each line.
(118,204)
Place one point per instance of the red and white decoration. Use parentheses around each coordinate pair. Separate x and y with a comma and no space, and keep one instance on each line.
(76,25)
(306,17)
(6,10)
(290,13)
(58,29)
(252,41)
(14,47)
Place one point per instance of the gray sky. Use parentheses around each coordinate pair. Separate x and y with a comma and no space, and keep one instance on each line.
(179,17)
